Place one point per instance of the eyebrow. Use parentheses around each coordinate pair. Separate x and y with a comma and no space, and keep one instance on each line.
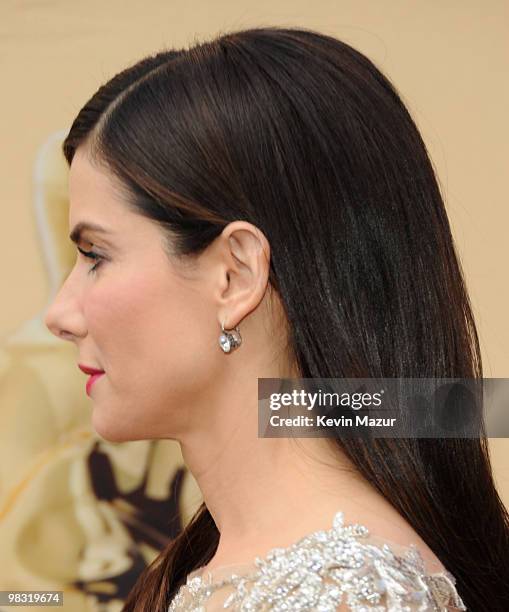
(83,226)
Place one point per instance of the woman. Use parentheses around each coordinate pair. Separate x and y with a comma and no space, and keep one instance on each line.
(269,189)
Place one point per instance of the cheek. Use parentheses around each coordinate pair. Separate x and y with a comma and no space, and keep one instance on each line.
(158,339)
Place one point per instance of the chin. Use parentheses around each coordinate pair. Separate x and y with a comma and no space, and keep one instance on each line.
(111,429)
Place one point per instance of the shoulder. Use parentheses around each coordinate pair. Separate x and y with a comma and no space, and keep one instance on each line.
(341,569)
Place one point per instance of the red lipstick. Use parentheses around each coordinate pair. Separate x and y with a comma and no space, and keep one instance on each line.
(94,375)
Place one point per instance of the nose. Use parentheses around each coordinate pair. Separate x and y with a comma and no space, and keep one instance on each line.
(64,317)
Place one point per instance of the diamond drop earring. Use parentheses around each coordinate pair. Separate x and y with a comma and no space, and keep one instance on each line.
(229,340)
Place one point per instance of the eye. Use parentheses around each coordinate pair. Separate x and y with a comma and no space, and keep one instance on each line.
(91,255)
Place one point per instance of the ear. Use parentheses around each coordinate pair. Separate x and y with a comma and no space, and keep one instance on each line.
(245,257)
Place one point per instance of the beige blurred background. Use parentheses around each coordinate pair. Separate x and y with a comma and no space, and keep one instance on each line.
(447,59)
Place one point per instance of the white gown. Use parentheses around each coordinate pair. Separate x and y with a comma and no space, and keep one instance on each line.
(343,569)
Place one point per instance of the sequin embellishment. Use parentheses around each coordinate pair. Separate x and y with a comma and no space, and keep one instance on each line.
(323,571)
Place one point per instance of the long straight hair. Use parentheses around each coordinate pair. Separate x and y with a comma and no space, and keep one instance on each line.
(302,135)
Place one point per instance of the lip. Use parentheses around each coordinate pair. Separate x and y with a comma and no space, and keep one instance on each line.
(92,380)
(89,370)
(94,375)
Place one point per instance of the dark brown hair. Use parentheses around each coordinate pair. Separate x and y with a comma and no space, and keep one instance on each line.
(303,136)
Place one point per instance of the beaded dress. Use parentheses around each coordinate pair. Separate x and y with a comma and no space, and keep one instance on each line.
(343,569)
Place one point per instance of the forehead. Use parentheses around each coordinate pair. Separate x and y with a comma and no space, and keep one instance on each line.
(93,191)
(96,198)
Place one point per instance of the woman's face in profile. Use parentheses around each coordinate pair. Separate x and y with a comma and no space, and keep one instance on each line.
(148,322)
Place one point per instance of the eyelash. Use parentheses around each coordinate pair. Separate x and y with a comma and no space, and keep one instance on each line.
(91,255)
